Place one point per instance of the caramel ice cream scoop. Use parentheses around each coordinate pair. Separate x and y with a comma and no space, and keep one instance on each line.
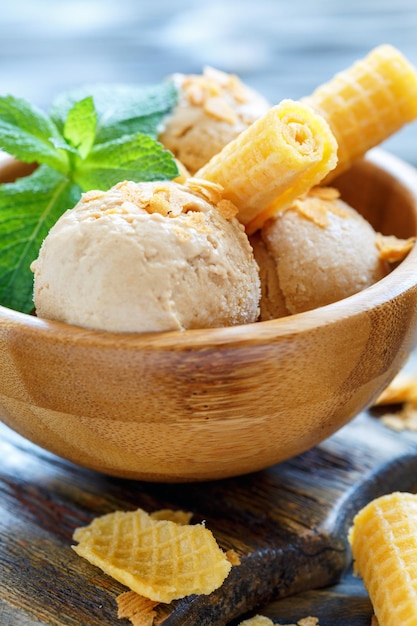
(214,107)
(145,257)
(316,252)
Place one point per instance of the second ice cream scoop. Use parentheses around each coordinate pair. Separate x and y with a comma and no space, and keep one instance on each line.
(316,252)
(214,107)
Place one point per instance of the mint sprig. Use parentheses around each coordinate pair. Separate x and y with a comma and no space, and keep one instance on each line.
(29,135)
(121,159)
(93,139)
(120,109)
(80,126)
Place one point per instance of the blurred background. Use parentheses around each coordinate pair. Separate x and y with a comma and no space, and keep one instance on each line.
(283,48)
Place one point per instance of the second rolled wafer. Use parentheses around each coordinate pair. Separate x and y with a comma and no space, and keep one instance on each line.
(367,103)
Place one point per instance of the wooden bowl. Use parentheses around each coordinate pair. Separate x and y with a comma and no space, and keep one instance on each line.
(207,404)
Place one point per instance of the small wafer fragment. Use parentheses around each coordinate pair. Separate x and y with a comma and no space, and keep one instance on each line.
(367,103)
(277,159)
(403,388)
(383,538)
(233,557)
(402,391)
(261,620)
(257,620)
(136,608)
(179,517)
(393,249)
(158,559)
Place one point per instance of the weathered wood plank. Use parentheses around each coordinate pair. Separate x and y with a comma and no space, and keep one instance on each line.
(288,524)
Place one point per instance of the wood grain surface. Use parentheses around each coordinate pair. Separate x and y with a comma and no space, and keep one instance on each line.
(287,523)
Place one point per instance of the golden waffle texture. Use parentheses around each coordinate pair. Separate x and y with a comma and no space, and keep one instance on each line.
(278,158)
(384,546)
(367,103)
(158,559)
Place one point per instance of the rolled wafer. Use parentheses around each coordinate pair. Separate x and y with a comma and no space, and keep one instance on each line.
(384,546)
(367,103)
(278,158)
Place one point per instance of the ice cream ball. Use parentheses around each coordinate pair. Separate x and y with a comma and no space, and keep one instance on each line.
(272,304)
(213,108)
(318,250)
(147,257)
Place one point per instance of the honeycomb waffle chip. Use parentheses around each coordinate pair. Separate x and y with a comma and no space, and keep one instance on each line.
(158,559)
(136,608)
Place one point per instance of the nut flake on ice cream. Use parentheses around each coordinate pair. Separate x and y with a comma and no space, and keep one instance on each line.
(150,256)
(214,107)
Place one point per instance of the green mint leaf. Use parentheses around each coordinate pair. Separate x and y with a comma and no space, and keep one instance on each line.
(28,209)
(80,125)
(28,134)
(121,109)
(84,145)
(136,157)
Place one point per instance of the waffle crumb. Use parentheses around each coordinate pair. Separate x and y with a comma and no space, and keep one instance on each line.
(179,517)
(136,608)
(261,620)
(233,557)
(402,391)
(393,249)
(403,388)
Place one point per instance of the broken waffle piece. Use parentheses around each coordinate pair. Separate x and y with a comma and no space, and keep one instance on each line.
(158,559)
